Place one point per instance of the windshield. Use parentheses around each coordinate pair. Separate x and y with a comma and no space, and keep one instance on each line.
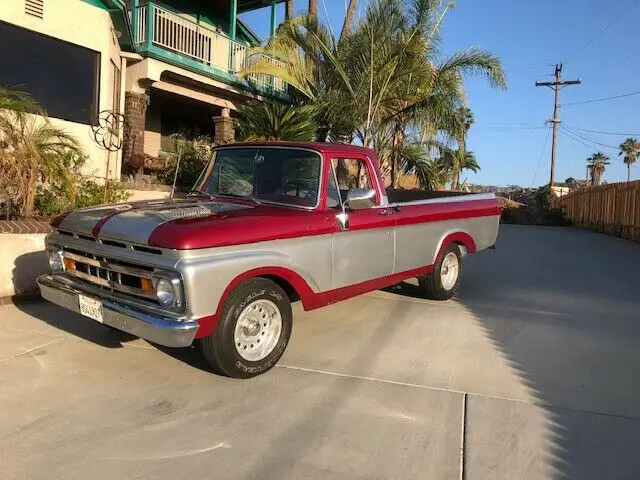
(274,175)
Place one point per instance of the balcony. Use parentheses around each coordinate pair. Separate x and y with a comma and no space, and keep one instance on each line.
(167,35)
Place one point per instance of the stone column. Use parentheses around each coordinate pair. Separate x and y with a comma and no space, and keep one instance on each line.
(135,110)
(224,128)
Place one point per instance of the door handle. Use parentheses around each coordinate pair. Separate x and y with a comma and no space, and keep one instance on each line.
(390,211)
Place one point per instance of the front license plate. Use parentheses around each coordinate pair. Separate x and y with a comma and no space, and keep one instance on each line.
(90,307)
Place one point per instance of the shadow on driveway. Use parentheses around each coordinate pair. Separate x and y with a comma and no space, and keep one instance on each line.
(562,306)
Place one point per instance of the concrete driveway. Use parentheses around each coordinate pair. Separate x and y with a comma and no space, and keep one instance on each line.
(532,372)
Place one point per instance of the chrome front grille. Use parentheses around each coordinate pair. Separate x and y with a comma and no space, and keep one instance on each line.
(110,274)
(111,243)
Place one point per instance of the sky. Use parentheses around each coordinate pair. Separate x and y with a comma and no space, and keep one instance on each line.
(595,40)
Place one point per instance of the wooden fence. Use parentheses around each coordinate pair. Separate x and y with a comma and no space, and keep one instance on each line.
(613,209)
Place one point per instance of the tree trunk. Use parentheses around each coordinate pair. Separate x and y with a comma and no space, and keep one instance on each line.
(628,172)
(365,139)
(322,133)
(398,135)
(288,10)
(28,200)
(348,19)
(313,8)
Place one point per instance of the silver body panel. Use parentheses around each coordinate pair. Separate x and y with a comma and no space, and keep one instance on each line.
(137,225)
(362,255)
(325,262)
(417,245)
(170,332)
(453,199)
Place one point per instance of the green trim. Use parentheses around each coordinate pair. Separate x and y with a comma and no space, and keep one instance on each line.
(151,11)
(133,19)
(272,29)
(96,3)
(252,38)
(159,53)
(233,18)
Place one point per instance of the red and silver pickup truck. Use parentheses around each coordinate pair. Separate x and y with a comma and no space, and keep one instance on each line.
(266,224)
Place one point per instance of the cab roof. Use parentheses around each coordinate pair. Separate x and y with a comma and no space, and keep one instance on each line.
(322,147)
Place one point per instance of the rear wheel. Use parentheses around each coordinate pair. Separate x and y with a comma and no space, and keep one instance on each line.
(443,283)
(253,330)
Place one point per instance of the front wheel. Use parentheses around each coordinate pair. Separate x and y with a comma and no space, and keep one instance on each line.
(253,330)
(443,283)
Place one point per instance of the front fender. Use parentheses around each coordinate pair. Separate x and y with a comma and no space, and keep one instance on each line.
(209,280)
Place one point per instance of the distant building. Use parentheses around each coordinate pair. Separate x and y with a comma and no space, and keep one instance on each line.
(169,67)
(560,191)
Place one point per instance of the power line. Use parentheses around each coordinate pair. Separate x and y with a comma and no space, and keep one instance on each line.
(326,14)
(587,139)
(598,34)
(506,129)
(580,135)
(602,99)
(600,132)
(566,134)
(617,63)
(556,86)
(546,140)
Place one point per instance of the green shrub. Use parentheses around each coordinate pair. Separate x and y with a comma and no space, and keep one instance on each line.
(52,199)
(194,156)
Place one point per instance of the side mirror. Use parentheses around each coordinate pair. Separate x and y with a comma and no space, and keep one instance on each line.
(360,198)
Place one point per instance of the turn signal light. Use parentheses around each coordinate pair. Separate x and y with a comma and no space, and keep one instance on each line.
(146,285)
(69,264)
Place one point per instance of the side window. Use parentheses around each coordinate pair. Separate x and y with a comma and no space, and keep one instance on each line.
(333,194)
(351,173)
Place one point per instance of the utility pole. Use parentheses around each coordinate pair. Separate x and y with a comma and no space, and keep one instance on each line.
(556,85)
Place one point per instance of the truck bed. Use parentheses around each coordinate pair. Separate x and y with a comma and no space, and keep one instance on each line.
(403,196)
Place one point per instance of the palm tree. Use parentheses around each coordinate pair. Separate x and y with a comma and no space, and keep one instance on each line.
(384,76)
(288,10)
(348,18)
(630,148)
(32,150)
(596,164)
(313,8)
(275,121)
(432,174)
(469,162)
(465,120)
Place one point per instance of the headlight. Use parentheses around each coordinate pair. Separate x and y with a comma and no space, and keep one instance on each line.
(168,291)
(165,292)
(55,261)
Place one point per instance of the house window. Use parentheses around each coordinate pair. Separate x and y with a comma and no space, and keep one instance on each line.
(34,7)
(63,77)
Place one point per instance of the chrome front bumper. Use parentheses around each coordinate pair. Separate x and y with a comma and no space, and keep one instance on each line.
(166,331)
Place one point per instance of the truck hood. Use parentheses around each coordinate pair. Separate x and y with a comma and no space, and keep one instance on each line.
(135,221)
(186,223)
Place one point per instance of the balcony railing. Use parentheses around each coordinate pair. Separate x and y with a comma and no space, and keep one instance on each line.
(197,42)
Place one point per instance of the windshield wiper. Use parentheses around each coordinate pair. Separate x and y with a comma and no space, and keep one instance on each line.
(200,192)
(242,197)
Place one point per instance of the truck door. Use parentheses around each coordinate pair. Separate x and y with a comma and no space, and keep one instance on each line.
(363,247)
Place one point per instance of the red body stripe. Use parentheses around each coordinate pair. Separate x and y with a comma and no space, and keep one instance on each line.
(55,223)
(264,223)
(95,231)
(312,300)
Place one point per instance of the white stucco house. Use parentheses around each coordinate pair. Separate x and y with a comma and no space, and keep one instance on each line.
(168,67)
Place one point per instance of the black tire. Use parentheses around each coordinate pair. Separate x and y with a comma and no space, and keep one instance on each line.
(219,349)
(431,284)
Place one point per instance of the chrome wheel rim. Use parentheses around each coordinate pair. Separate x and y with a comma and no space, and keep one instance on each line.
(257,330)
(449,271)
